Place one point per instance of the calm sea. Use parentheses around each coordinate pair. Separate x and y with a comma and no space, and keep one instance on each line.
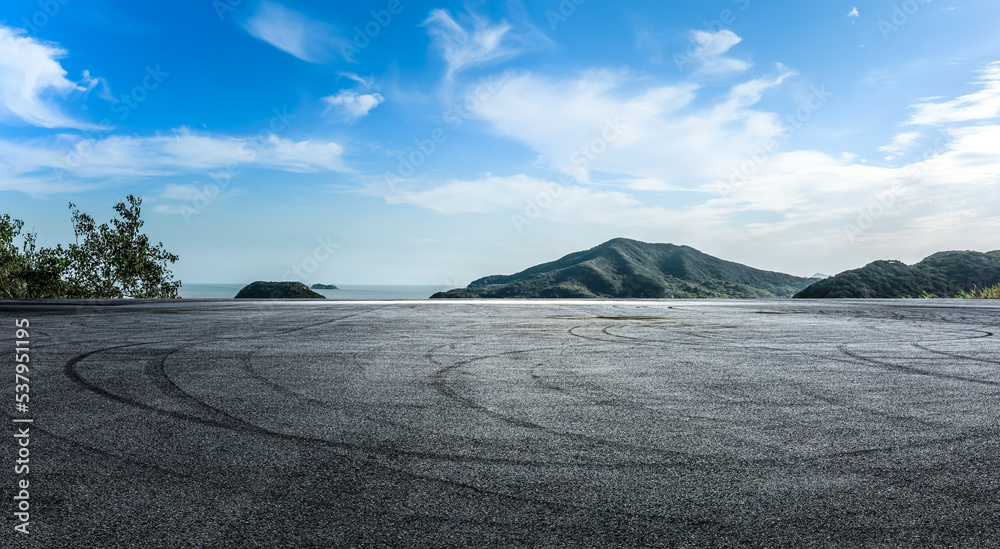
(346,291)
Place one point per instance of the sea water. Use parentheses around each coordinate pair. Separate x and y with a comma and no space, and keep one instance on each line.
(346,292)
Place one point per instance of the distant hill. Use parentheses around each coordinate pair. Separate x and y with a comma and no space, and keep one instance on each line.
(943,274)
(623,268)
(277,290)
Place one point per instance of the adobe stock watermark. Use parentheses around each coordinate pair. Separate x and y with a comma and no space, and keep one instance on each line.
(901,14)
(366,33)
(303,270)
(221,180)
(725,19)
(878,207)
(225,7)
(22,487)
(455,116)
(580,159)
(562,13)
(47,11)
(123,107)
(756,158)
(883,202)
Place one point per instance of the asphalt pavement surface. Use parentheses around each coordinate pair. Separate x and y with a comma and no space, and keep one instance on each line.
(219,423)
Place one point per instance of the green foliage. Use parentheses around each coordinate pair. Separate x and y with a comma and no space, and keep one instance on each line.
(107,261)
(944,274)
(992,292)
(623,268)
(26,272)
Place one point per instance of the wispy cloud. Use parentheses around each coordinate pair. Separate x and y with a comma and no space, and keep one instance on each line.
(710,51)
(664,134)
(749,93)
(484,41)
(573,203)
(900,143)
(181,196)
(981,105)
(348,105)
(32,79)
(853,13)
(76,162)
(297,34)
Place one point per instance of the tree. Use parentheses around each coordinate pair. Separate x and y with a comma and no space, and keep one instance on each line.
(27,273)
(117,260)
(106,261)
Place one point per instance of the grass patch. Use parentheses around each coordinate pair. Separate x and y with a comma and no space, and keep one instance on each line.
(993,292)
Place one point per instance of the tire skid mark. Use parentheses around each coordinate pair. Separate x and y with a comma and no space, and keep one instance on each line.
(633,338)
(441,384)
(382,449)
(954,355)
(817,395)
(127,459)
(966,437)
(243,427)
(915,371)
(612,397)
(247,427)
(616,338)
(247,367)
(213,481)
(73,374)
(892,333)
(434,456)
(328,321)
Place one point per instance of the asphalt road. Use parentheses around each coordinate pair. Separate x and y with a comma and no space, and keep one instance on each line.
(569,424)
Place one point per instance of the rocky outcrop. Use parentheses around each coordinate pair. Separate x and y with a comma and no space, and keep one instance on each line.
(277,290)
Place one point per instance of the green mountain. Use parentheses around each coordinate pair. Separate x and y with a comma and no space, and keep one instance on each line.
(623,268)
(943,274)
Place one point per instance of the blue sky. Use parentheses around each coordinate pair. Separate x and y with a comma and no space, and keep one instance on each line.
(400,142)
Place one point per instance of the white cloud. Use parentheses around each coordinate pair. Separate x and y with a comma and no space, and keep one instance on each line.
(595,123)
(900,143)
(31,79)
(182,196)
(513,194)
(423,241)
(853,13)
(180,192)
(794,210)
(366,83)
(81,163)
(750,92)
(295,33)
(709,52)
(981,105)
(350,105)
(485,41)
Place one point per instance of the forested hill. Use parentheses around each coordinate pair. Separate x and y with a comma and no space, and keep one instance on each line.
(944,274)
(623,268)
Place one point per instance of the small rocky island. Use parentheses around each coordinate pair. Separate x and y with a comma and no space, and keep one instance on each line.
(277,290)
(324,287)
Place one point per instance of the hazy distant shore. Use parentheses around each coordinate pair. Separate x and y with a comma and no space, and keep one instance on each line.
(347,292)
